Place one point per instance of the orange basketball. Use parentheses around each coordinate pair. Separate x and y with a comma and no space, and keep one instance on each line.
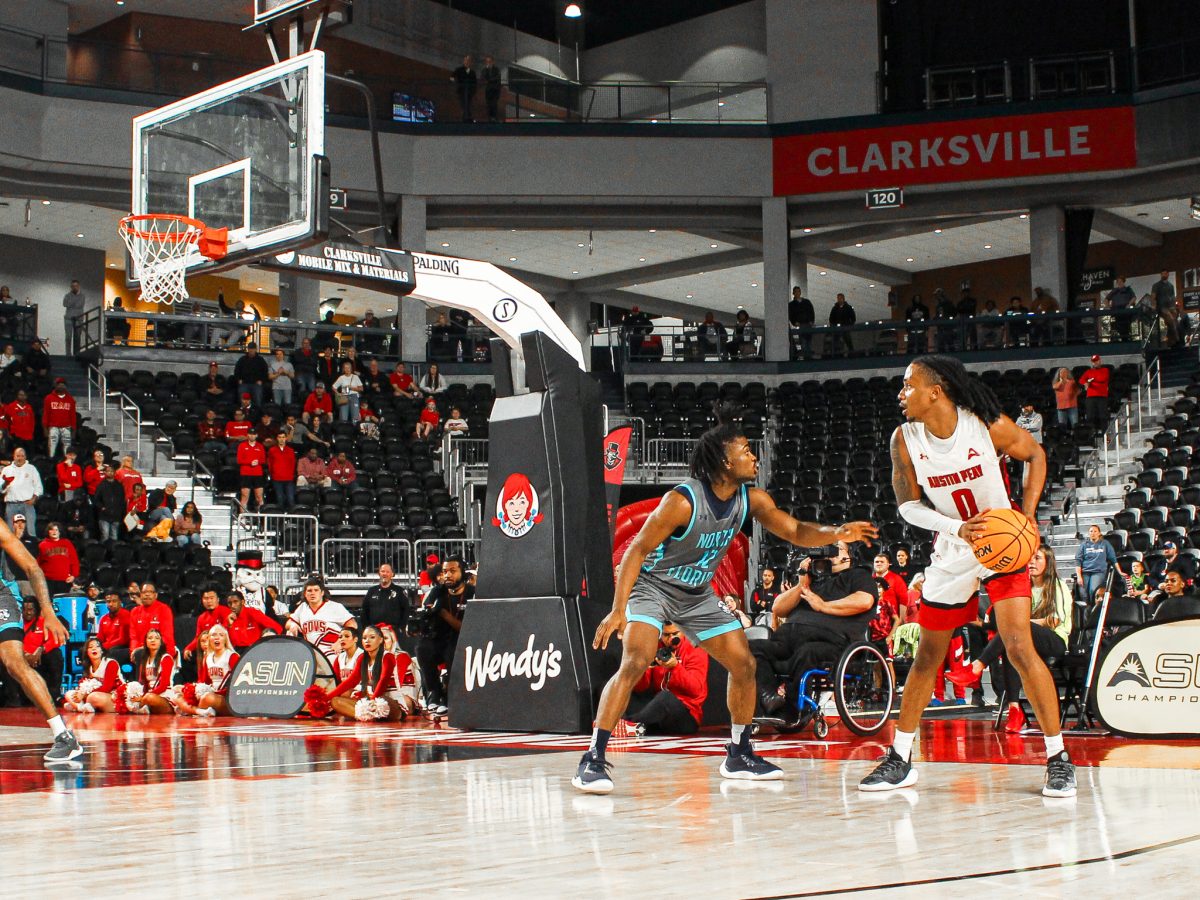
(1010,541)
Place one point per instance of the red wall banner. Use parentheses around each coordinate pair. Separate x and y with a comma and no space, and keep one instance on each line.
(1085,140)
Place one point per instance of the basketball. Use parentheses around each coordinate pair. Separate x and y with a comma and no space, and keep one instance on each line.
(1010,541)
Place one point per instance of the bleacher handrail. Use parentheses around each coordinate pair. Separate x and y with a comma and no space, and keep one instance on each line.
(402,559)
(282,538)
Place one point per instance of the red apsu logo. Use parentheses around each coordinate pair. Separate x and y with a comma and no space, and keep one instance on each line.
(612,455)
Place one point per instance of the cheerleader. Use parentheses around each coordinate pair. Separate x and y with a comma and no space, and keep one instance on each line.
(371,685)
(346,660)
(207,696)
(101,676)
(408,674)
(154,668)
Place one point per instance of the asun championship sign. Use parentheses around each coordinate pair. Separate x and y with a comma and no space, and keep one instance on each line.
(272,676)
(1149,683)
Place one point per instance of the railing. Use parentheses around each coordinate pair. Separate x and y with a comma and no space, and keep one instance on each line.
(355,559)
(666,455)
(18,325)
(288,543)
(1116,444)
(467,548)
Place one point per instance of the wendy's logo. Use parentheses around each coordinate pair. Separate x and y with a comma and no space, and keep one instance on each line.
(517,508)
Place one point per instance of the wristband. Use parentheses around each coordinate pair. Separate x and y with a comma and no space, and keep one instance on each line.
(917,513)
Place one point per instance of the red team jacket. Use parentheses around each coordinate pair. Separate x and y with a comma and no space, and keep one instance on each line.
(58,412)
(207,620)
(113,631)
(21,420)
(688,681)
(58,559)
(281,463)
(156,615)
(251,459)
(70,478)
(37,638)
(249,626)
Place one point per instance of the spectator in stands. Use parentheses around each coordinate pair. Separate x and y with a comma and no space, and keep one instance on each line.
(212,612)
(492,80)
(370,343)
(446,603)
(1138,582)
(368,423)
(281,464)
(236,310)
(58,561)
(8,358)
(128,476)
(22,421)
(801,315)
(133,593)
(387,602)
(1123,302)
(466,81)
(249,408)
(311,471)
(36,360)
(12,569)
(213,382)
(375,380)
(237,429)
(1044,304)
(402,383)
(73,301)
(637,327)
(281,336)
(763,596)
(908,612)
(1170,559)
(113,628)
(432,383)
(991,328)
(1031,420)
(189,525)
(1092,561)
(251,373)
(341,470)
(94,473)
(456,424)
(69,475)
(893,594)
(246,624)
(42,650)
(1162,294)
(58,417)
(744,343)
(1066,397)
(841,315)
(281,373)
(965,311)
(348,390)
(318,401)
(712,334)
(1095,383)
(136,508)
(154,668)
(151,613)
(917,315)
(314,435)
(1178,600)
(669,697)
(427,423)
(1016,317)
(22,486)
(252,468)
(161,503)
(110,505)
(118,325)
(429,576)
(77,519)
(304,363)
(945,311)
(211,433)
(734,605)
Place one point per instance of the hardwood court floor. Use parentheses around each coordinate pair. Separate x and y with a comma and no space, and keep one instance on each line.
(253,808)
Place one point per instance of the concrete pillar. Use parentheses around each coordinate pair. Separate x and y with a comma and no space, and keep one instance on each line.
(1048,251)
(302,296)
(411,315)
(777,288)
(575,311)
(799,272)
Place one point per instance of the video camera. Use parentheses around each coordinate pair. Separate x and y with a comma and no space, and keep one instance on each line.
(421,622)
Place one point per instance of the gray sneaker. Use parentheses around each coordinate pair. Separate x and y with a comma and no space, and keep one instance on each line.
(65,749)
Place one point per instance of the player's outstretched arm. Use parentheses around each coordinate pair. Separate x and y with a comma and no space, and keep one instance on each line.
(910,502)
(1018,443)
(805,534)
(37,580)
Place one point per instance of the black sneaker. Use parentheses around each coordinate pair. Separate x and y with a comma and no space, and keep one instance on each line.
(1060,776)
(891,773)
(771,703)
(65,749)
(744,764)
(592,775)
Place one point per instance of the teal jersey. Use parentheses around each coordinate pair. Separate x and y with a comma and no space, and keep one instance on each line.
(688,561)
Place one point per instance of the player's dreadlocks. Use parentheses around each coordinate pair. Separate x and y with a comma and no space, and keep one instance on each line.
(962,388)
(708,459)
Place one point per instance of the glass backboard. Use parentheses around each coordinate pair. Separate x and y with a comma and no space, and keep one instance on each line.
(247,155)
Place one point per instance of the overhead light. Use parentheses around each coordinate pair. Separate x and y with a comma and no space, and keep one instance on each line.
(654,121)
(987,246)
(533,115)
(858,245)
(512,259)
(445,243)
(714,246)
(641,259)
(689,296)
(45,203)
(1165,218)
(1024,215)
(574,271)
(752,284)
(258,289)
(822,273)
(720,103)
(653,230)
(740,306)
(908,259)
(579,245)
(937,231)
(807,230)
(79,234)
(389,309)
(870,285)
(572,11)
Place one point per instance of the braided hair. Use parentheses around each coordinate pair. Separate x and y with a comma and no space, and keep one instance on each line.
(708,459)
(961,387)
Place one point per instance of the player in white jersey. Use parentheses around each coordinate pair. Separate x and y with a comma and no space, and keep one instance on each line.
(947,470)
(319,620)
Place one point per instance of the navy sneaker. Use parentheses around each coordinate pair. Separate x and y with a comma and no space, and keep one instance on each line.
(892,773)
(742,763)
(65,749)
(592,775)
(1060,776)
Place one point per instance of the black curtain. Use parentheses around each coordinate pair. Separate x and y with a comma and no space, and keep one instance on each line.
(1078,223)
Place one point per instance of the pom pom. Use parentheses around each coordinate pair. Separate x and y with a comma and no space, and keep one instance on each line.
(87,686)
(127,697)
(188,694)
(382,709)
(134,690)
(202,690)
(86,708)
(317,701)
(71,699)
(369,710)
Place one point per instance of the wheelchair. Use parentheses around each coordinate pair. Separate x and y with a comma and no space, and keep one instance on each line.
(863,688)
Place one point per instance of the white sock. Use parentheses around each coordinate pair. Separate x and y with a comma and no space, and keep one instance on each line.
(1054,745)
(902,743)
(737,734)
(57,726)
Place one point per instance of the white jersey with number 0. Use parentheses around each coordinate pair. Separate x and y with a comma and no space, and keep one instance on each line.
(961,475)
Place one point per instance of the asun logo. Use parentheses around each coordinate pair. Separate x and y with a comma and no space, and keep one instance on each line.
(1131,669)
(486,667)
(269,673)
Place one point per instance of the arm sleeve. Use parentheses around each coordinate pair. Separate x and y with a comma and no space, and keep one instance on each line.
(1079,557)
(111,674)
(166,669)
(914,512)
(350,680)
(387,676)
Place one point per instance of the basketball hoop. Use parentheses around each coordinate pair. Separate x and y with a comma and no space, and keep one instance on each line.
(159,245)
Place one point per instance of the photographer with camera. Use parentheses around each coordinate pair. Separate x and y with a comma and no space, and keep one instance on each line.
(436,623)
(669,697)
(828,609)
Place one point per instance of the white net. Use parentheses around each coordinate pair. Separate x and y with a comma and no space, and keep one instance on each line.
(159,248)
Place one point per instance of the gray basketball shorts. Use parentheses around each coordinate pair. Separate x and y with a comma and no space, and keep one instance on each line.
(699,616)
(11,626)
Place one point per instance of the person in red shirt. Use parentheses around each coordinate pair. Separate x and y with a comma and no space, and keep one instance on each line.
(21,421)
(318,401)
(42,650)
(138,504)
(113,628)
(281,464)
(342,471)
(94,473)
(58,417)
(246,624)
(893,595)
(1095,381)
(237,429)
(58,561)
(153,669)
(402,383)
(429,576)
(252,467)
(151,613)
(672,691)
(211,433)
(215,613)
(70,476)
(127,476)
(428,422)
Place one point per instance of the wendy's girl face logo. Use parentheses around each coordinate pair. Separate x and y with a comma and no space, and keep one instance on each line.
(517,508)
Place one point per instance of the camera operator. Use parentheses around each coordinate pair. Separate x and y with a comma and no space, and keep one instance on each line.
(823,613)
(669,697)
(438,622)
